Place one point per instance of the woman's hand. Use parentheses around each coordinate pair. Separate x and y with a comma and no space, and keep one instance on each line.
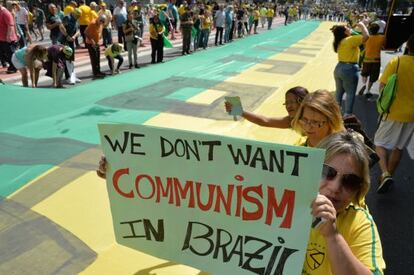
(103,165)
(323,208)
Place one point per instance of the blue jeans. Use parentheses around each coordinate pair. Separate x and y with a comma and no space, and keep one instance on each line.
(346,80)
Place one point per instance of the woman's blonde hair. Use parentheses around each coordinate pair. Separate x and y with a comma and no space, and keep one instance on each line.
(323,102)
(346,142)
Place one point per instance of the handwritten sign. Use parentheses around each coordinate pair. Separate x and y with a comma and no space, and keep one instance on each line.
(221,204)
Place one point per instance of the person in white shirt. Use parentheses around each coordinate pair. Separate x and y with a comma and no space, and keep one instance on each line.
(219,20)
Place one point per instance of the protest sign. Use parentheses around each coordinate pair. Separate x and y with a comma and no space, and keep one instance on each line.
(221,204)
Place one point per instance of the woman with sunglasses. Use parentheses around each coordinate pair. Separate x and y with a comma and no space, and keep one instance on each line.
(318,116)
(293,98)
(346,241)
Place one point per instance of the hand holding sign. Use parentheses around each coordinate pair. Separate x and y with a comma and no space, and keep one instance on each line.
(233,106)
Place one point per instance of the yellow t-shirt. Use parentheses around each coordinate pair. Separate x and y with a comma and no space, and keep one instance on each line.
(358,229)
(85,17)
(108,51)
(181,10)
(402,109)
(373,48)
(68,9)
(270,13)
(30,16)
(205,22)
(93,15)
(348,49)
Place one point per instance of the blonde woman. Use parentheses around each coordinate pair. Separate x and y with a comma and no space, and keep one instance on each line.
(318,116)
(346,234)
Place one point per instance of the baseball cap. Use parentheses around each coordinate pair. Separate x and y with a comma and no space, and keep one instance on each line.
(67,51)
(103,4)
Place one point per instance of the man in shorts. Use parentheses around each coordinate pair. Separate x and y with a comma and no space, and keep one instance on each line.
(372,59)
(396,130)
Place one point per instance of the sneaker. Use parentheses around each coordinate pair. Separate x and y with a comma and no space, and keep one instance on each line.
(77,80)
(385,183)
(130,66)
(362,90)
(136,66)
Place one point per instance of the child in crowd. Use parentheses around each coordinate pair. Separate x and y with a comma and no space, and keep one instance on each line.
(114,52)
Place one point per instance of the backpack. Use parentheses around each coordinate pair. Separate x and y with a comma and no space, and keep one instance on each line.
(387,95)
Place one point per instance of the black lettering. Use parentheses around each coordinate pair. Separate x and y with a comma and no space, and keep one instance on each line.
(258,156)
(164,152)
(255,255)
(205,236)
(194,150)
(179,142)
(296,155)
(239,246)
(211,145)
(273,159)
(131,224)
(240,155)
(282,261)
(117,144)
(149,229)
(221,245)
(136,144)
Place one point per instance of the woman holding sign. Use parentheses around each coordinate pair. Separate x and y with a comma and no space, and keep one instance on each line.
(346,241)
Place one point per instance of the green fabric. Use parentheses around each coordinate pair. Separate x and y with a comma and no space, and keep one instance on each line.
(167,42)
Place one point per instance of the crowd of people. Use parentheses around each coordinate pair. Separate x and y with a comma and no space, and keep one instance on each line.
(80,25)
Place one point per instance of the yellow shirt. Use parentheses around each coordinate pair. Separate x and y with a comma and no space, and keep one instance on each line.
(154,30)
(85,17)
(181,10)
(132,8)
(348,49)
(93,15)
(256,15)
(68,9)
(109,52)
(30,18)
(373,48)
(270,13)
(357,227)
(402,109)
(205,22)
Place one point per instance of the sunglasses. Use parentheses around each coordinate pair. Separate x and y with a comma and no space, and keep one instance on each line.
(351,182)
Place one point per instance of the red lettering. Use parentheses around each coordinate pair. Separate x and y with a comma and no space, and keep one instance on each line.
(164,192)
(246,215)
(183,192)
(115,179)
(137,182)
(288,201)
(221,198)
(211,189)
